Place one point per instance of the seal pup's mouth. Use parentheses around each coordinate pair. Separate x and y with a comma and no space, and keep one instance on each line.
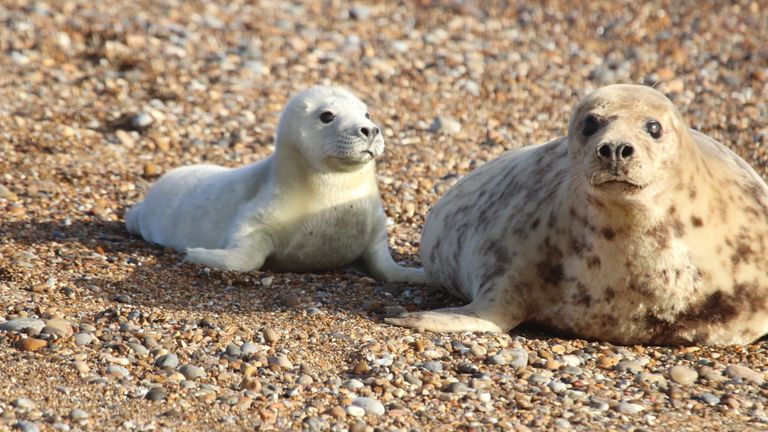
(607,179)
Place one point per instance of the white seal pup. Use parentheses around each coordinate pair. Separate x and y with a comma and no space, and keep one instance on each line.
(312,205)
(633,229)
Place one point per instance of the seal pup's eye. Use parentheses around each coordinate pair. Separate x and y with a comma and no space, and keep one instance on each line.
(591,125)
(654,129)
(368,116)
(327,117)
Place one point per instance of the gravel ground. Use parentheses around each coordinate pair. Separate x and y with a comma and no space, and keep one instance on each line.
(101,331)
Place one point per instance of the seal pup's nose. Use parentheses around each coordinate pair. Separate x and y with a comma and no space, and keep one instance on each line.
(369,133)
(615,152)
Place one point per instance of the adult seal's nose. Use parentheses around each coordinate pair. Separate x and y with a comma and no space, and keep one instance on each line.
(615,152)
(369,133)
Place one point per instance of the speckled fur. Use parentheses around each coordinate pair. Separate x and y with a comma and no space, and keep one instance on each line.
(312,205)
(681,259)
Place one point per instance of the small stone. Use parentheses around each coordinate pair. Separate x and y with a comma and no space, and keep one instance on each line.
(280,362)
(744,373)
(78,415)
(477,350)
(267,281)
(31,344)
(167,361)
(433,366)
(271,336)
(562,423)
(288,299)
(21,324)
(571,360)
(629,408)
(371,406)
(360,13)
(598,404)
(337,412)
(125,138)
(24,404)
(355,411)
(141,121)
(156,394)
(117,371)
(149,170)
(122,298)
(138,348)
(709,399)
(361,368)
(192,372)
(552,364)
(83,339)
(630,366)
(445,125)
(456,387)
(26,426)
(251,384)
(233,350)
(87,328)
(81,366)
(557,386)
(7,194)
(683,375)
(248,348)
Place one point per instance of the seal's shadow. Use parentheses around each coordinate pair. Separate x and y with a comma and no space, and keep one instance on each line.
(117,266)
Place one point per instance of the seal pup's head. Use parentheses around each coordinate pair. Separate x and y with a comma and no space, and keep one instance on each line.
(626,142)
(331,128)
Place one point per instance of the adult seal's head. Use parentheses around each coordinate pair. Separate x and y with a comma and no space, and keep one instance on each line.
(331,128)
(623,141)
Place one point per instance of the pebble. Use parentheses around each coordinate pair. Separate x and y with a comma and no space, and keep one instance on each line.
(57,327)
(709,399)
(288,299)
(117,371)
(371,406)
(81,366)
(355,411)
(339,412)
(24,404)
(445,125)
(629,408)
(744,373)
(138,348)
(78,415)
(167,361)
(271,336)
(433,366)
(26,426)
(233,350)
(457,387)
(31,344)
(557,386)
(683,375)
(83,339)
(280,361)
(630,366)
(246,349)
(192,372)
(21,324)
(141,121)
(156,394)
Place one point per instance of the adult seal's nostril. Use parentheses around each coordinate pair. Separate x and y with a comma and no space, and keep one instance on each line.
(366,132)
(374,132)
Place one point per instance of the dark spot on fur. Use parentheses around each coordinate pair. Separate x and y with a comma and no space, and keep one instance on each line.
(551,273)
(692,191)
(535,224)
(661,234)
(610,294)
(608,233)
(696,221)
(593,261)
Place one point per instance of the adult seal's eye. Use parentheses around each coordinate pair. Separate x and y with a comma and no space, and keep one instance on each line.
(591,125)
(654,129)
(368,116)
(327,117)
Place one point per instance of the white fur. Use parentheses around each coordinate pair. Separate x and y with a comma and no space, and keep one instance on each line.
(312,205)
